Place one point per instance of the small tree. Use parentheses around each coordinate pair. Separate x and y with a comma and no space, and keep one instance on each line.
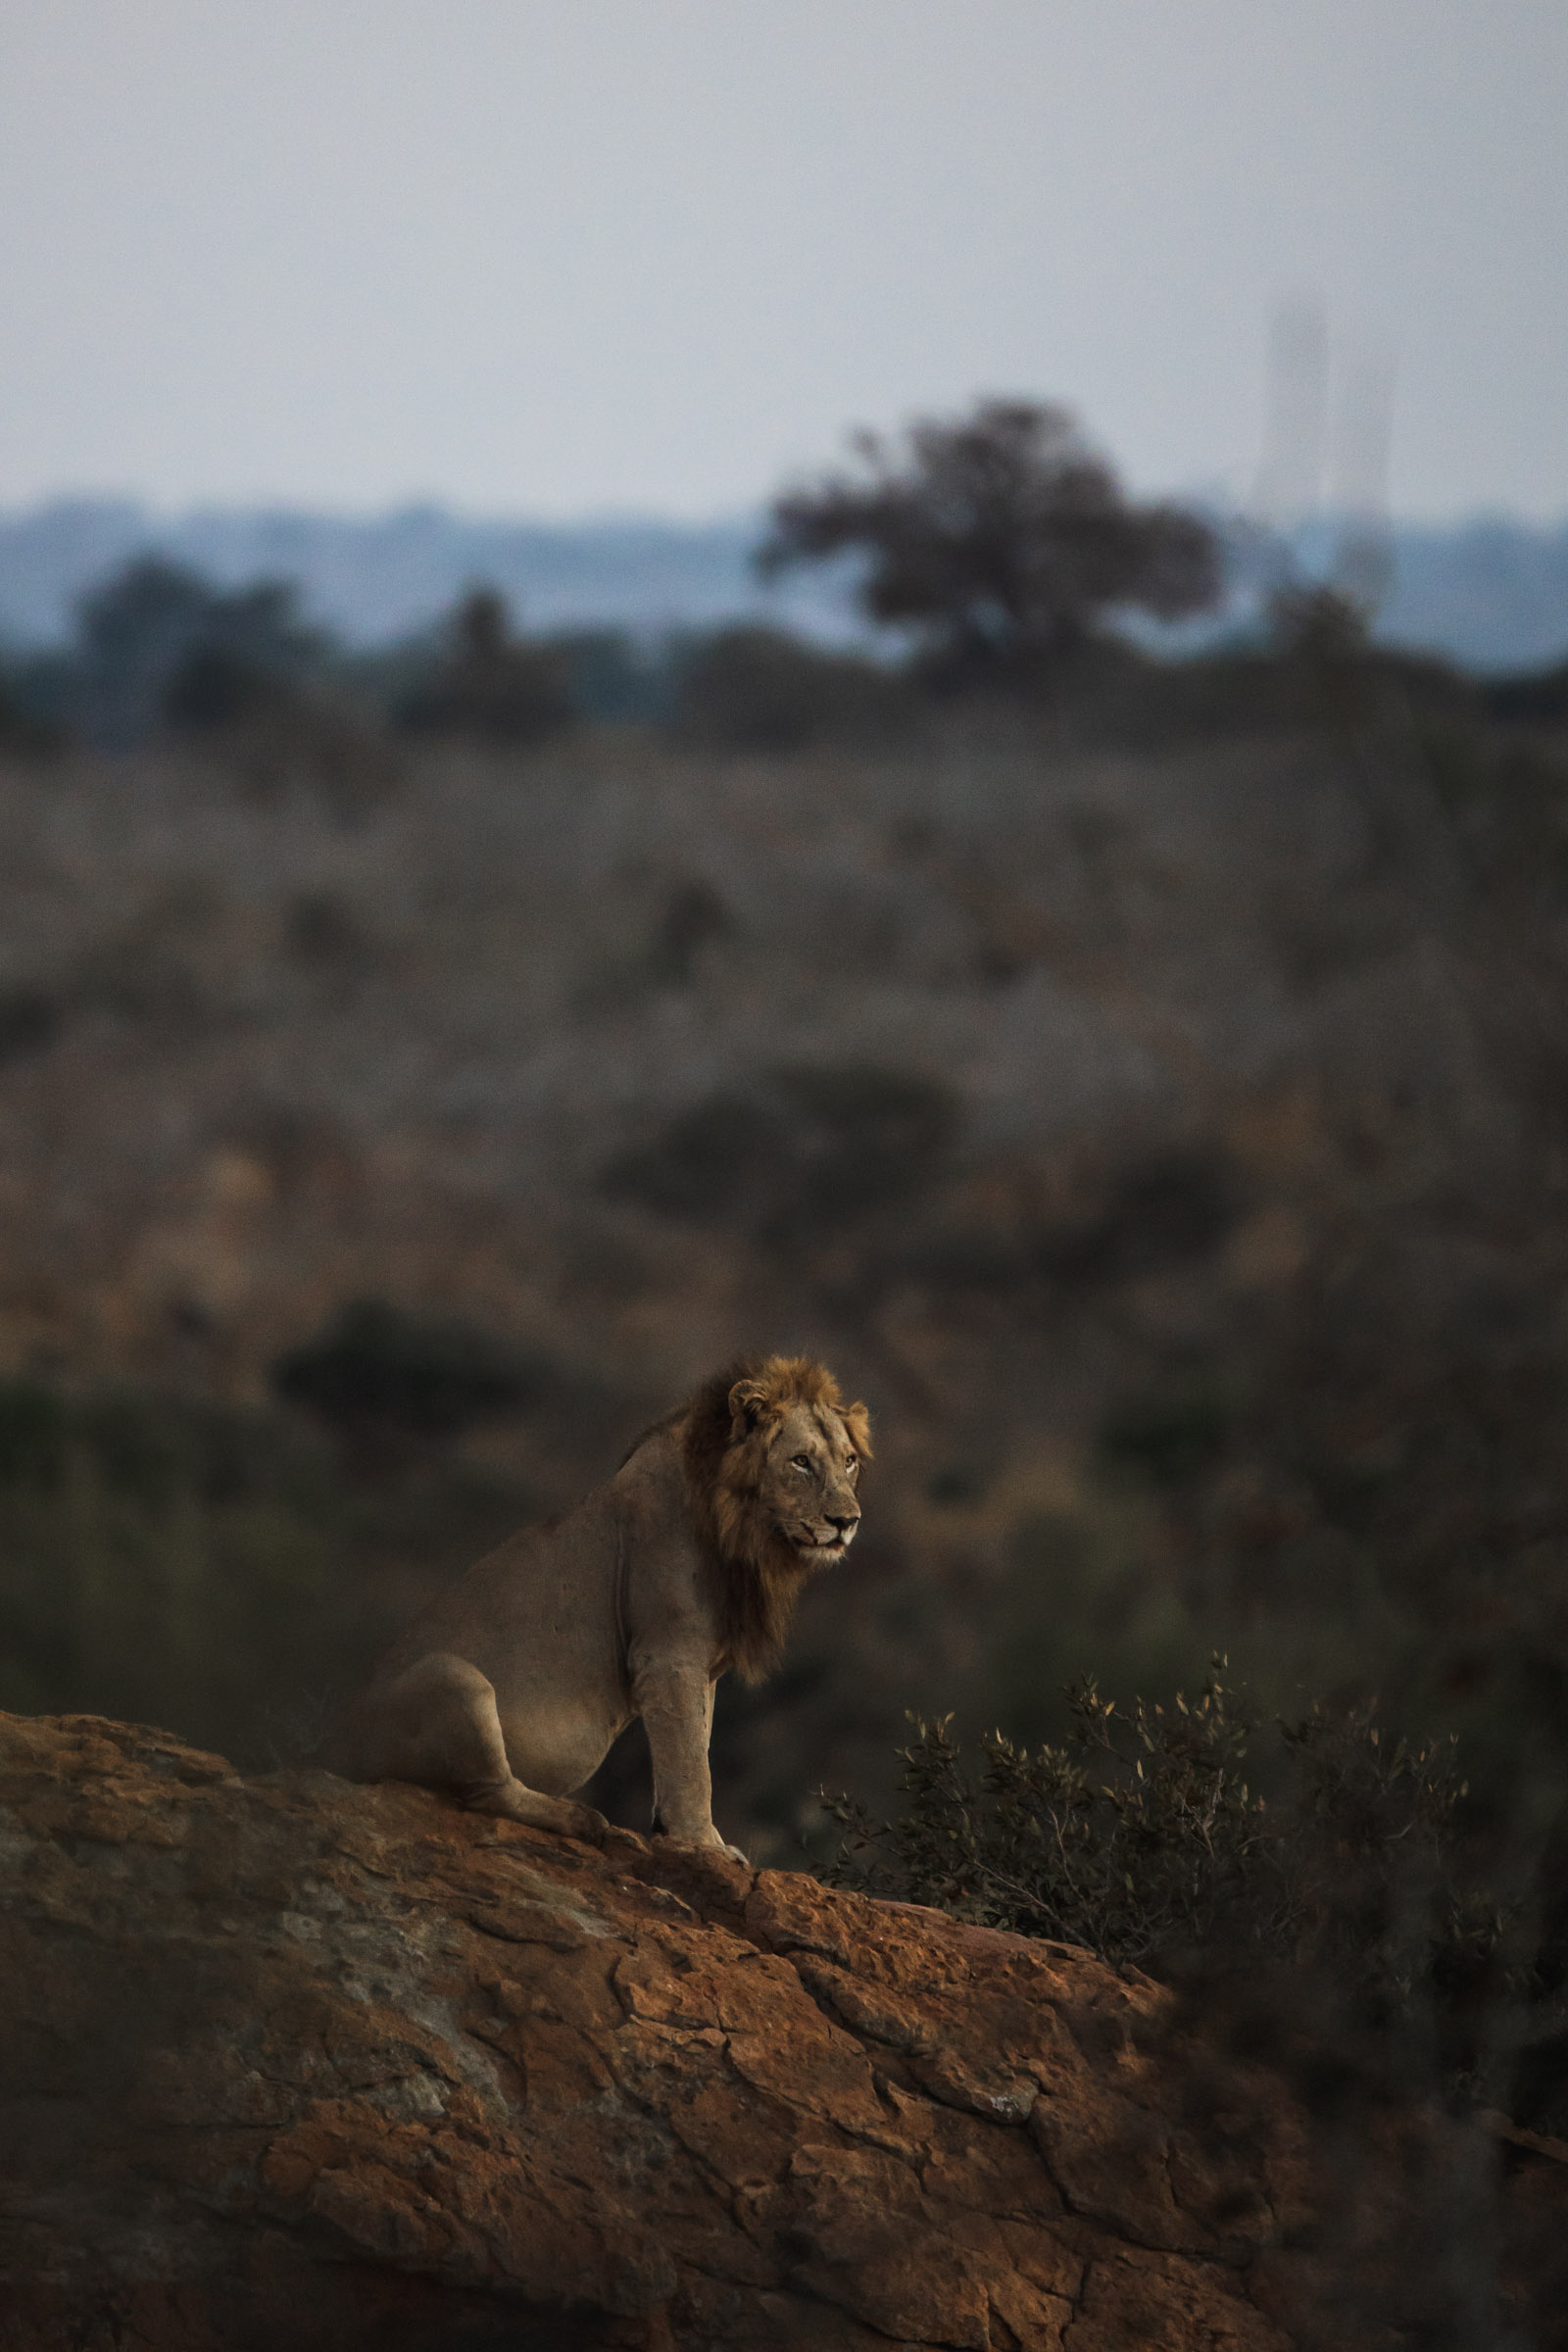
(489,685)
(159,644)
(999,539)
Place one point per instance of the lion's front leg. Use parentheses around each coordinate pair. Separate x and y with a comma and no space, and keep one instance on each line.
(675,1700)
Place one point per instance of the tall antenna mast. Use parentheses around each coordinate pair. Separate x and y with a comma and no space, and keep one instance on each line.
(1359,475)
(1289,473)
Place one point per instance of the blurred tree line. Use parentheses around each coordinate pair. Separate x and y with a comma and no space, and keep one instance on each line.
(161,652)
(999,554)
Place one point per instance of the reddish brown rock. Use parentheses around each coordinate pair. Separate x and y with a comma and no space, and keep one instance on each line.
(290,2063)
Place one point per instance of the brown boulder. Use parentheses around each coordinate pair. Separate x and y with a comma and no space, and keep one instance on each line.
(285,2062)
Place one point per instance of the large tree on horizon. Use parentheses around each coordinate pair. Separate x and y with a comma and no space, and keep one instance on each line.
(999,540)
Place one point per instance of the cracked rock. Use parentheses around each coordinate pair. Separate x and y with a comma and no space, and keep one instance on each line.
(289,2062)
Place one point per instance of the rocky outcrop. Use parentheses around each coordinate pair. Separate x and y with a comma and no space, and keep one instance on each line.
(286,2063)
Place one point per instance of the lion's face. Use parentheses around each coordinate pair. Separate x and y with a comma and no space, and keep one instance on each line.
(808,1480)
(773,1458)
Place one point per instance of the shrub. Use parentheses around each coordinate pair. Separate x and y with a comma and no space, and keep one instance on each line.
(1148,1839)
(796,1153)
(1170,1432)
(376,1373)
(30,1022)
(216,685)
(23,733)
(1539,695)
(759,689)
(1170,1212)
(610,677)
(489,685)
(695,918)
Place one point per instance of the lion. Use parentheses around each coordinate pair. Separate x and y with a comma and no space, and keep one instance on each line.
(508,1690)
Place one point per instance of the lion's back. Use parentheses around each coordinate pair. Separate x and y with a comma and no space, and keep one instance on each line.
(535,1615)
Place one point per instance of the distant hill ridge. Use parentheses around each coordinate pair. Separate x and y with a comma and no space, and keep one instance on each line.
(380,577)
(1490,593)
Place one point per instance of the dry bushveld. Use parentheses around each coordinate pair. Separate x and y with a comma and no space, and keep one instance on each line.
(1167,1139)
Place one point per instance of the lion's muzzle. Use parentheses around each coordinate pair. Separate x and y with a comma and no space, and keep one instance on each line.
(826,1543)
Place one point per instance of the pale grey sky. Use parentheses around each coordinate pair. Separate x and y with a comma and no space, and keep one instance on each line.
(558,256)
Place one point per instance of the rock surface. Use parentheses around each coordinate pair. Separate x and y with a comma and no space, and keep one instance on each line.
(286,2063)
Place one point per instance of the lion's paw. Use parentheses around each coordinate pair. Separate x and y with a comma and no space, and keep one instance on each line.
(713,1844)
(584,1823)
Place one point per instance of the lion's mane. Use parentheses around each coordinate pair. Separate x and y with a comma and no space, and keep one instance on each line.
(757,1575)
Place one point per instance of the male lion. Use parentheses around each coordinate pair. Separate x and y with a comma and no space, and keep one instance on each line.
(511,1687)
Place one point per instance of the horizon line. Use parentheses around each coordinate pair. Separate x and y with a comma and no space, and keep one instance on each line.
(419,505)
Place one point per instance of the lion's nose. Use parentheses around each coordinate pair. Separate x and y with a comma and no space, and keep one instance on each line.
(844,1520)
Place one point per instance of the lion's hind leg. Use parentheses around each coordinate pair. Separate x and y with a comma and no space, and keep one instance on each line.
(437,1724)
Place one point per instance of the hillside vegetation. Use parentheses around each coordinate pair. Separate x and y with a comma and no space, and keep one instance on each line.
(1153,1102)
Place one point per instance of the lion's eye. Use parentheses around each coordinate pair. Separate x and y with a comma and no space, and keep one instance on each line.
(801,1461)
(852,1469)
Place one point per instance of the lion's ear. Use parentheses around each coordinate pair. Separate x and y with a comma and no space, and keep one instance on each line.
(857,1429)
(748,1400)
